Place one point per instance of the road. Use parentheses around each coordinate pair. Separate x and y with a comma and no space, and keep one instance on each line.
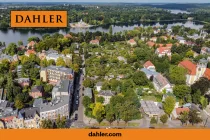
(79,109)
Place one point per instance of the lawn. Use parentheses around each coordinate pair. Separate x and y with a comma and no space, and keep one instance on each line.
(151,98)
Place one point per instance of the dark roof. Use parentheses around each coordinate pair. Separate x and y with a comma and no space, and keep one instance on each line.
(28,113)
(37,102)
(37,89)
(107,93)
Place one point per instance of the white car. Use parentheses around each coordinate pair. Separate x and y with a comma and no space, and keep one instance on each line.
(77,102)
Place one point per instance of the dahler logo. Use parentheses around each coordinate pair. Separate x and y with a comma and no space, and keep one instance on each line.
(39,19)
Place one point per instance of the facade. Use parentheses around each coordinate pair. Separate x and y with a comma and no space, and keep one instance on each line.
(37,91)
(99,86)
(161,83)
(195,71)
(162,51)
(55,56)
(60,105)
(56,73)
(29,117)
(106,94)
(63,88)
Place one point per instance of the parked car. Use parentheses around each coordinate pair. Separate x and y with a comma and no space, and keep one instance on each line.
(77,97)
(77,102)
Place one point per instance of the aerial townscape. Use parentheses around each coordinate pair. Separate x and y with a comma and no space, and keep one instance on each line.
(114,66)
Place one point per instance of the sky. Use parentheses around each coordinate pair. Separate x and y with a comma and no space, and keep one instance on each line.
(130,1)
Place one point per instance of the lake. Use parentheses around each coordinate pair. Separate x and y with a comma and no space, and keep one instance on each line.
(176,11)
(11,35)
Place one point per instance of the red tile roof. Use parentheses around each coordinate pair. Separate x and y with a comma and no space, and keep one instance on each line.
(9,118)
(32,43)
(150,43)
(31,52)
(163,50)
(67,36)
(132,41)
(207,73)
(94,41)
(180,110)
(191,67)
(148,64)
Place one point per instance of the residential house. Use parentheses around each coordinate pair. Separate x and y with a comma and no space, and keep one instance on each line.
(106,94)
(163,51)
(63,87)
(150,108)
(37,91)
(7,117)
(94,42)
(181,40)
(177,112)
(58,106)
(154,39)
(31,44)
(205,51)
(132,42)
(88,92)
(121,58)
(99,86)
(161,84)
(6,57)
(24,82)
(149,73)
(195,71)
(150,44)
(148,65)
(164,37)
(68,36)
(29,52)
(56,73)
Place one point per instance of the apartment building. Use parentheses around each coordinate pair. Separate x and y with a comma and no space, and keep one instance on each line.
(56,73)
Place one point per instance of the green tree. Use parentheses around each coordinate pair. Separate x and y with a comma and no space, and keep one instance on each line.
(190,54)
(177,75)
(100,99)
(196,97)
(88,83)
(60,62)
(61,122)
(202,84)
(164,118)
(18,103)
(109,114)
(175,59)
(128,111)
(99,112)
(20,42)
(169,105)
(184,118)
(86,101)
(11,49)
(140,79)
(194,118)
(204,102)
(46,124)
(181,91)
(153,120)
